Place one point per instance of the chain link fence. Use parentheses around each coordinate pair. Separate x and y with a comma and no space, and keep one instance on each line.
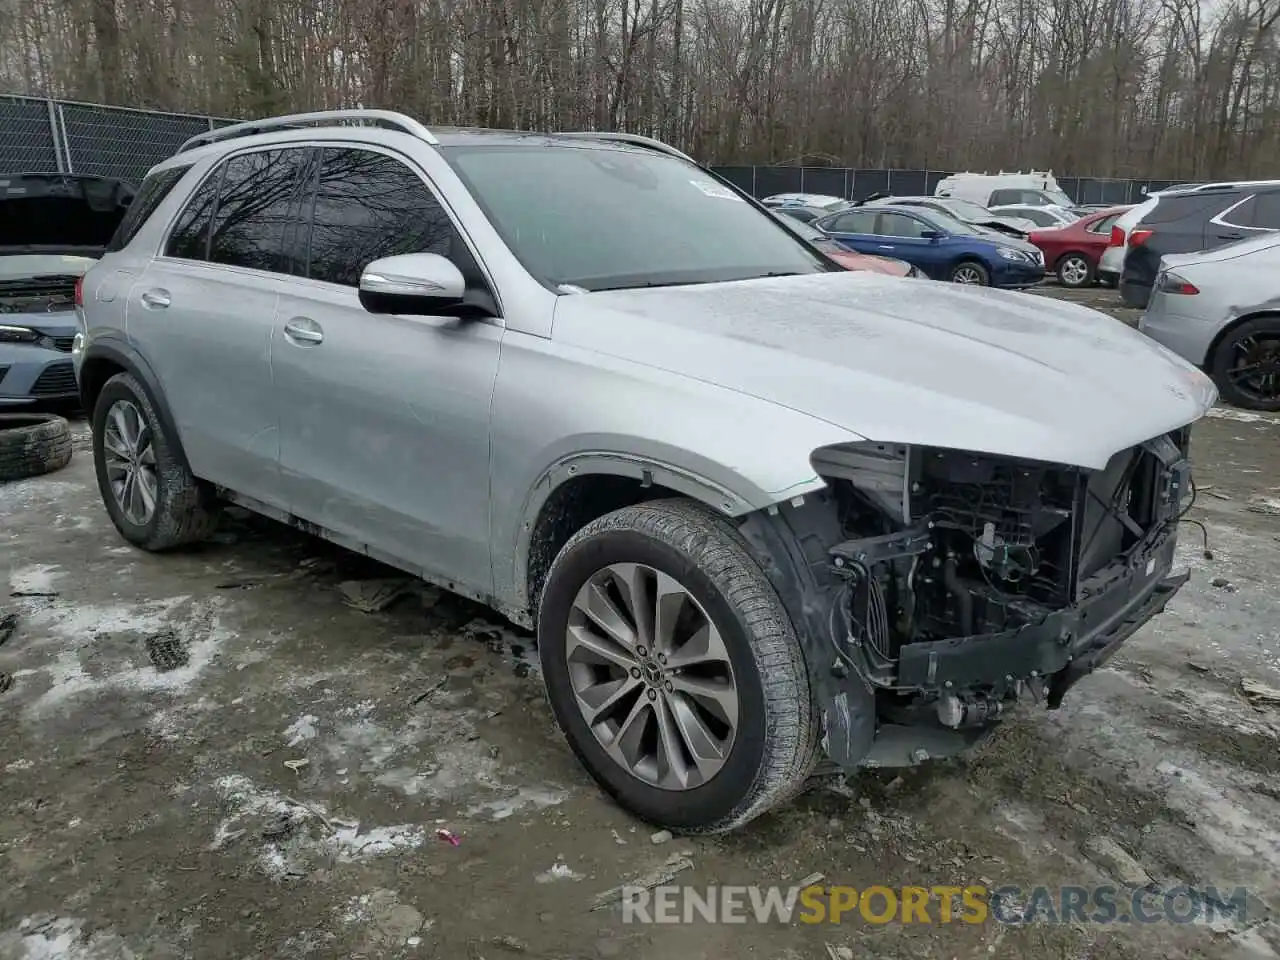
(48,136)
(39,135)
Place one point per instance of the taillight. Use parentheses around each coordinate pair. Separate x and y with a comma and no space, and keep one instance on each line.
(1138,237)
(1117,237)
(1169,282)
(79,291)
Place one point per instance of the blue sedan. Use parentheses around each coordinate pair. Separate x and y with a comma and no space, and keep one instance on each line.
(939,245)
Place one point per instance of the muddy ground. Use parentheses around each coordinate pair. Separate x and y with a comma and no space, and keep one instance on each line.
(210,755)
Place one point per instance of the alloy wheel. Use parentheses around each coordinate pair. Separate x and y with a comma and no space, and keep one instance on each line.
(130,461)
(651,676)
(1254,367)
(969,275)
(1074,271)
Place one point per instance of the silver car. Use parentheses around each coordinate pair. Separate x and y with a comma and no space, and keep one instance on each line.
(1219,310)
(759,509)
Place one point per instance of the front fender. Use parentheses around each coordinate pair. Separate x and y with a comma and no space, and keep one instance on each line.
(770,467)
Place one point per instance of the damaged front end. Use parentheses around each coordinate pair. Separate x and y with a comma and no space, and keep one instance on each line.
(935,588)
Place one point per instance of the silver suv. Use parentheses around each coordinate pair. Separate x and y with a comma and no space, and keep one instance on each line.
(759,509)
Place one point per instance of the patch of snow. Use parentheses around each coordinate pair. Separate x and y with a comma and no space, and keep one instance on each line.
(38,579)
(197,623)
(1240,416)
(18,765)
(557,871)
(60,938)
(349,844)
(301,730)
(525,798)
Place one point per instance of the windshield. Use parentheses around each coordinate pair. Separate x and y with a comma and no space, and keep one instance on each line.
(949,224)
(612,219)
(968,210)
(1060,198)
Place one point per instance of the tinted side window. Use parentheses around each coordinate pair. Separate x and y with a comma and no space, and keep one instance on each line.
(154,189)
(256,203)
(896,225)
(189,238)
(1266,213)
(368,206)
(1169,209)
(1000,198)
(861,222)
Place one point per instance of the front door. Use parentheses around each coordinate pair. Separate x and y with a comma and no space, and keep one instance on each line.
(384,420)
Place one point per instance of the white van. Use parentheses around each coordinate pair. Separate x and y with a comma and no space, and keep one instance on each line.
(1003,189)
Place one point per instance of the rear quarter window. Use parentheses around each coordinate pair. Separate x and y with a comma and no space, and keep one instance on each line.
(149,196)
(1173,209)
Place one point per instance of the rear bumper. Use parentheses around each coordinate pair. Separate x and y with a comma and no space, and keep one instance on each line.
(1135,293)
(1188,337)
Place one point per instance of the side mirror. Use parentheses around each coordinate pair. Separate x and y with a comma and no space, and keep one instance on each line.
(425,284)
(932,234)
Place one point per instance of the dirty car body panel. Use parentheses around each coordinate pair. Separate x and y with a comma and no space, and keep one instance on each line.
(936,480)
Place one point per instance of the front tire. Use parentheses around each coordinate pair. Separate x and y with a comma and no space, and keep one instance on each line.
(1246,365)
(1075,271)
(673,669)
(150,494)
(971,273)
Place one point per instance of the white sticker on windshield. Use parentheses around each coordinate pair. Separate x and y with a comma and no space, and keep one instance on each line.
(713,189)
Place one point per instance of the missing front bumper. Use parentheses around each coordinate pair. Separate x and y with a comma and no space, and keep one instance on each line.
(1062,647)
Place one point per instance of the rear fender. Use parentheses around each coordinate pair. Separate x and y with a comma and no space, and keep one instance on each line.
(109,354)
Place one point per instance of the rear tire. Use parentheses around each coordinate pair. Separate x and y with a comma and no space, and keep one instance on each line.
(708,575)
(166,506)
(1075,271)
(1254,342)
(971,273)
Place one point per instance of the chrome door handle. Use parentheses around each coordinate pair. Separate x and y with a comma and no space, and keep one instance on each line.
(156,299)
(885,246)
(303,330)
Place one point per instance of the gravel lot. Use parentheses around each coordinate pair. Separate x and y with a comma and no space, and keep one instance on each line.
(210,755)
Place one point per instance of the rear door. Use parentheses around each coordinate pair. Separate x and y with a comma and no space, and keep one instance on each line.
(203,312)
(384,420)
(856,230)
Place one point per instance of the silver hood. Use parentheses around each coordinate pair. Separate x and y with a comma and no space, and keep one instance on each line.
(934,364)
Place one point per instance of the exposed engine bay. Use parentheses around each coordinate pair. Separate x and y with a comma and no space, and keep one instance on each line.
(968,580)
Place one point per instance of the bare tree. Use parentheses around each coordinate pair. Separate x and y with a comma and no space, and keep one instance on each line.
(1104,87)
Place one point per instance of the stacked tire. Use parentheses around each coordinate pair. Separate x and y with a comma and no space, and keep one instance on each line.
(32,444)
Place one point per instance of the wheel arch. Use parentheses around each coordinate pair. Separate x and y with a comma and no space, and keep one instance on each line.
(1207,360)
(102,360)
(584,486)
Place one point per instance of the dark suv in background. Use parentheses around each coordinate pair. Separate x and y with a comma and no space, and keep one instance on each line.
(1192,219)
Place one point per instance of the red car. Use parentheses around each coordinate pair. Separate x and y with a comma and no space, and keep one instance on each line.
(1073,251)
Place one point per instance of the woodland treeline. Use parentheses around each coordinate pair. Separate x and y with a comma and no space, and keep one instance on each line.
(1127,88)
